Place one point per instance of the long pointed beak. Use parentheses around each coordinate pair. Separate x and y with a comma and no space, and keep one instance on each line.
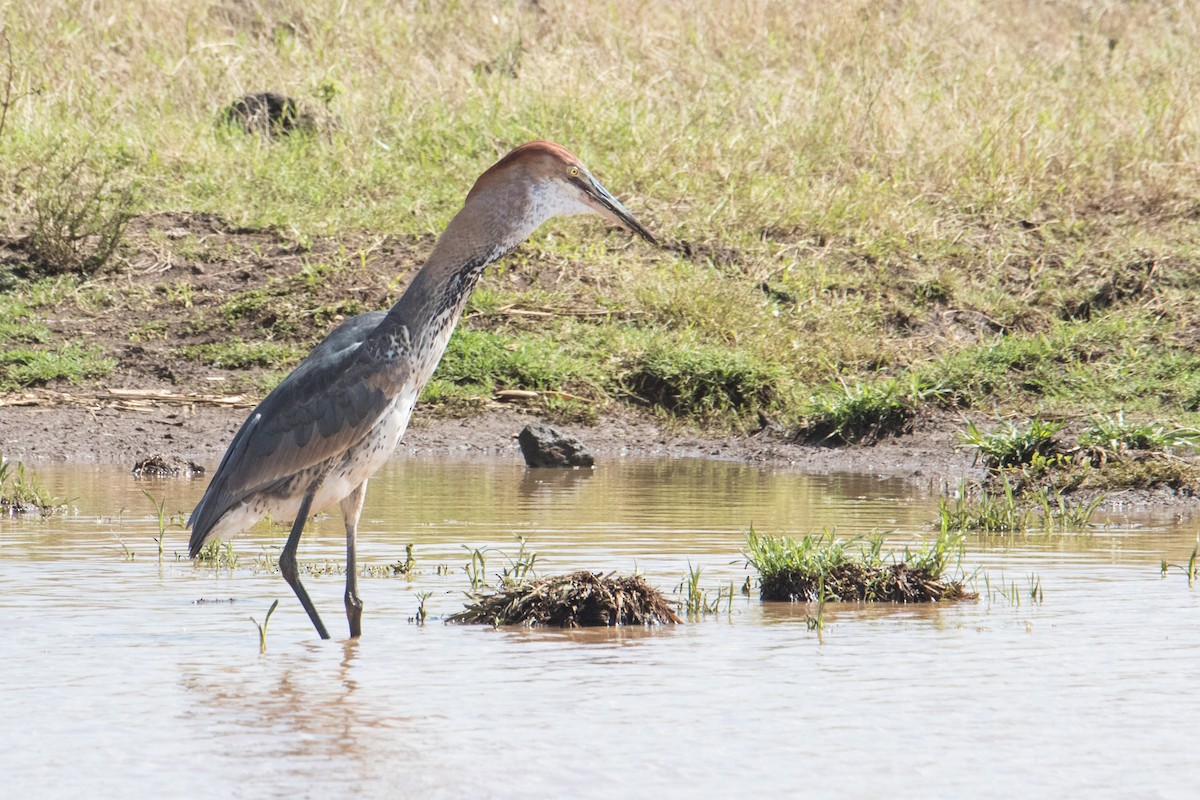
(613,209)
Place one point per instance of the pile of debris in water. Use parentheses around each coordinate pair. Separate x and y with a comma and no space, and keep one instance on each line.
(580,599)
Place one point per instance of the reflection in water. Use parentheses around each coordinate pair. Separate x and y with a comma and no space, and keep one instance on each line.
(117,683)
(539,487)
(303,712)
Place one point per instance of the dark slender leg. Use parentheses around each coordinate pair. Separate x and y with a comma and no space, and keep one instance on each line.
(351,510)
(287,565)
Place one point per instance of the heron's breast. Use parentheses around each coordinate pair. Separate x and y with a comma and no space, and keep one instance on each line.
(365,457)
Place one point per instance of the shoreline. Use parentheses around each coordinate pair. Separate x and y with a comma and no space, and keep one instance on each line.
(69,433)
(930,457)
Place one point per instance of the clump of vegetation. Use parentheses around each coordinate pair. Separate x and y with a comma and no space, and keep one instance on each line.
(701,381)
(22,367)
(1115,435)
(1000,511)
(239,354)
(18,323)
(697,601)
(823,567)
(1035,461)
(1013,446)
(81,205)
(218,554)
(1150,471)
(22,493)
(867,412)
(570,601)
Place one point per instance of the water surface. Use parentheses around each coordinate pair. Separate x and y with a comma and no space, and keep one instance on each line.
(117,682)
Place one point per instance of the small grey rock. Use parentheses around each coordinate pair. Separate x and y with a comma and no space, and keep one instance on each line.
(543,446)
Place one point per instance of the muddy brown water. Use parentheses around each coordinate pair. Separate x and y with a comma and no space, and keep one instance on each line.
(117,682)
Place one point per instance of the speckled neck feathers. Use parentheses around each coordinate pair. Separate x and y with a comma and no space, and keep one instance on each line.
(497,217)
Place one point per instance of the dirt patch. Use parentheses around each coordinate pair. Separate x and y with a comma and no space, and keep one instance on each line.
(101,430)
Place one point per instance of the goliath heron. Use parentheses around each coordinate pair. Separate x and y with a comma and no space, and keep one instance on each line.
(319,436)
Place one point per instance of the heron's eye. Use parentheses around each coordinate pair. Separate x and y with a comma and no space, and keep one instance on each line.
(574,172)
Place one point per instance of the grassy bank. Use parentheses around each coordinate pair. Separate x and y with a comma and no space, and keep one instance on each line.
(869,209)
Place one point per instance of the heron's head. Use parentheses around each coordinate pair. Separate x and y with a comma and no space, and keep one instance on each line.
(556,184)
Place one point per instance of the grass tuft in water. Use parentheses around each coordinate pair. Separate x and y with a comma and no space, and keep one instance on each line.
(823,567)
(580,599)
(164,520)
(1000,512)
(218,554)
(421,615)
(698,602)
(22,493)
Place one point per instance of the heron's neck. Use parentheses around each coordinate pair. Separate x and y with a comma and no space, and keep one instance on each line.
(419,325)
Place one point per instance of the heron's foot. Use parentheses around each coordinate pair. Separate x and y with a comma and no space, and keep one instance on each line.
(354,609)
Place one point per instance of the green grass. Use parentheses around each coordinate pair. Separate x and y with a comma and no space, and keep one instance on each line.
(1036,460)
(699,380)
(867,411)
(1013,446)
(905,196)
(27,366)
(1117,434)
(822,567)
(18,325)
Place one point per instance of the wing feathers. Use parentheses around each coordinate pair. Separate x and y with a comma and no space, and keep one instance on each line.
(324,407)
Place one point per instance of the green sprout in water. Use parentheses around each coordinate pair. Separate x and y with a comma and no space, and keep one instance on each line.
(1190,569)
(520,567)
(262,629)
(1000,512)
(218,554)
(164,521)
(421,615)
(476,568)
(406,566)
(697,601)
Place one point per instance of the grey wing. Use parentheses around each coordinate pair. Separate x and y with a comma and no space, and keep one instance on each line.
(327,404)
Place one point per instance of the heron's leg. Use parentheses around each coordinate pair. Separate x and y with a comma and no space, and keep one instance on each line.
(351,510)
(287,565)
